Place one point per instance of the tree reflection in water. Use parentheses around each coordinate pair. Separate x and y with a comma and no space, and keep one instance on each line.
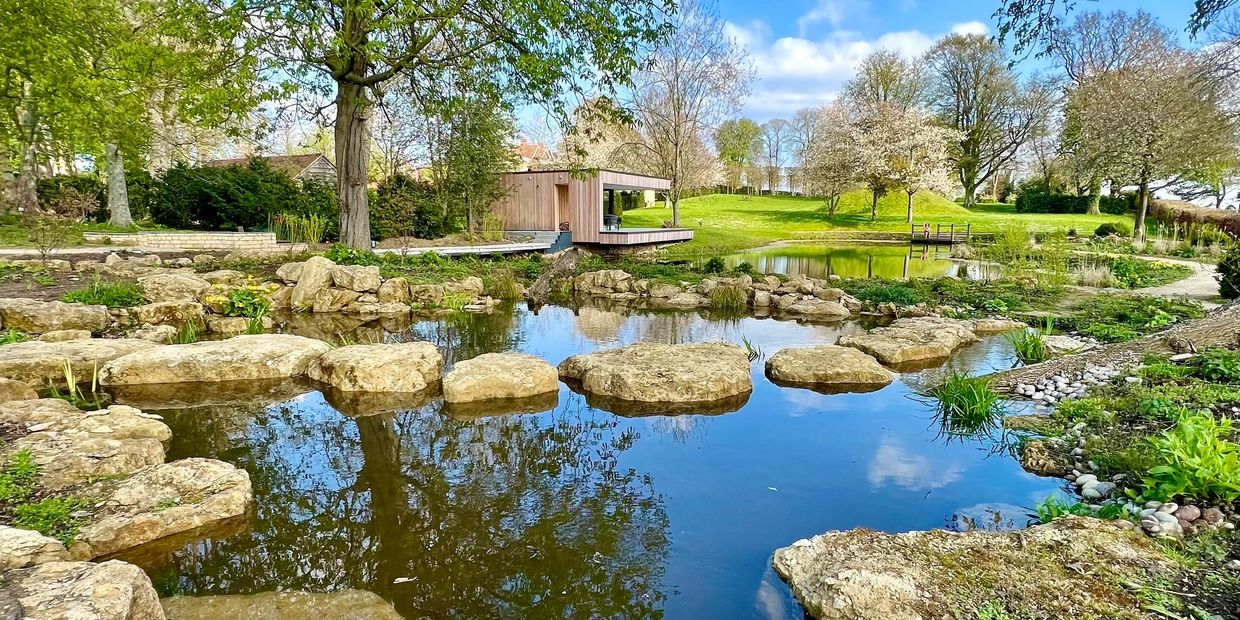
(512,516)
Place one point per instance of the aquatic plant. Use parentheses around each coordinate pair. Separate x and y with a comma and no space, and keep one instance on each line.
(1028,346)
(74,394)
(730,299)
(455,300)
(752,351)
(967,406)
(501,284)
(255,324)
(187,333)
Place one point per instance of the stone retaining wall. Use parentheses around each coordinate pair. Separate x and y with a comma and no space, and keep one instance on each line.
(205,241)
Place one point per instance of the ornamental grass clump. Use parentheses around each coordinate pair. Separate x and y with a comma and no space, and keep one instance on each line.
(967,406)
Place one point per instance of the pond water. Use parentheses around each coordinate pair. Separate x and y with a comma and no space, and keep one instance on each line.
(575,511)
(869,260)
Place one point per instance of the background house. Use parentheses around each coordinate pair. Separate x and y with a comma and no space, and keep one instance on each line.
(310,167)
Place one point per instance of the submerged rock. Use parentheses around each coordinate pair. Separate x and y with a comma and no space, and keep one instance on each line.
(663,373)
(43,363)
(351,604)
(71,447)
(111,590)
(1041,458)
(828,365)
(499,375)
(160,501)
(913,339)
(37,317)
(265,356)
(1070,568)
(21,548)
(402,367)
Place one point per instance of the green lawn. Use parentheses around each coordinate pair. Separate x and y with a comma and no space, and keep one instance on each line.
(15,232)
(725,223)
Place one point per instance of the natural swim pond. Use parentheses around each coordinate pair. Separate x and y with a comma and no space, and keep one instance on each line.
(861,260)
(575,511)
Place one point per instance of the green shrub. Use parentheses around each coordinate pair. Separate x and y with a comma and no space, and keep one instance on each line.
(1029,347)
(405,206)
(12,336)
(1038,202)
(110,294)
(1195,459)
(1092,411)
(714,265)
(744,267)
(1218,365)
(248,195)
(1229,274)
(880,291)
(51,517)
(1120,229)
(18,478)
(1117,318)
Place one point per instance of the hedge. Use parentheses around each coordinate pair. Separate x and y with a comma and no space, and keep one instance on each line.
(1029,202)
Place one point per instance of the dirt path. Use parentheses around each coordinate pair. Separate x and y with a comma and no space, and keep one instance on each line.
(1201,286)
(1220,327)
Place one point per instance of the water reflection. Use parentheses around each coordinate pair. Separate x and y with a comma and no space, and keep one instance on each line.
(867,260)
(517,516)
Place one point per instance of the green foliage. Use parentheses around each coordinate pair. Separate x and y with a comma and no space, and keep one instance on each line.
(1165,372)
(1229,274)
(501,284)
(110,294)
(1195,459)
(1116,318)
(714,266)
(1053,508)
(52,517)
(254,325)
(729,299)
(1218,365)
(1090,410)
(1159,408)
(187,333)
(1120,229)
(407,207)
(1028,346)
(248,195)
(18,478)
(1132,272)
(12,336)
(882,291)
(455,300)
(249,301)
(1036,202)
(309,229)
(744,267)
(967,406)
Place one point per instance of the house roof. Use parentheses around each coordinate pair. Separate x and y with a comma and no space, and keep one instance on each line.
(291,165)
(531,150)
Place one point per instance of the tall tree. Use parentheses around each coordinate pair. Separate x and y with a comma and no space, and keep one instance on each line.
(805,127)
(736,141)
(776,138)
(922,160)
(536,51)
(1154,122)
(976,93)
(691,82)
(831,162)
(886,80)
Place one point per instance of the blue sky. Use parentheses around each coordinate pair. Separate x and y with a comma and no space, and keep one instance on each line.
(804,50)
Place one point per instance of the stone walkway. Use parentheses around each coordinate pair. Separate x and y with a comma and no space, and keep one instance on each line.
(1202,285)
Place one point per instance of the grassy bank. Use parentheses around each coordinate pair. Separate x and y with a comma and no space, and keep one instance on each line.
(725,223)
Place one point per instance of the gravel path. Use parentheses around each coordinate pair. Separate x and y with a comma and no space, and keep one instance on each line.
(1201,286)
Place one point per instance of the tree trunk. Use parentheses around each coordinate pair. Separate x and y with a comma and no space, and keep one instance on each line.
(968,181)
(910,206)
(1095,197)
(8,181)
(118,194)
(352,159)
(1143,202)
(874,206)
(26,191)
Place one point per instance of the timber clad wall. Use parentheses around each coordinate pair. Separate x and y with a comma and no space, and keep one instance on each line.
(533,200)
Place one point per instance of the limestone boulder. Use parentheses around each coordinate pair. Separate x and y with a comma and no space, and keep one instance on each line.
(1073,567)
(160,501)
(42,363)
(394,291)
(234,325)
(913,339)
(37,317)
(828,366)
(111,590)
(22,548)
(471,285)
(175,313)
(989,327)
(1065,345)
(664,290)
(329,300)
(163,287)
(64,335)
(15,390)
(426,294)
(350,604)
(290,273)
(313,276)
(670,373)
(71,447)
(225,277)
(401,367)
(819,308)
(241,358)
(158,334)
(492,376)
(360,278)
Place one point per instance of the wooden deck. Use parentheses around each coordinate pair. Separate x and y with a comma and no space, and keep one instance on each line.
(644,236)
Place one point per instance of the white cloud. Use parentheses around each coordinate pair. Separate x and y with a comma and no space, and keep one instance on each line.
(831,11)
(894,463)
(797,72)
(973,27)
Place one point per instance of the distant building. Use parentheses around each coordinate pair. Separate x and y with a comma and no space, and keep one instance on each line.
(311,167)
(532,154)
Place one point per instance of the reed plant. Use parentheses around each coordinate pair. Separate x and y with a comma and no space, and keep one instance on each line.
(967,406)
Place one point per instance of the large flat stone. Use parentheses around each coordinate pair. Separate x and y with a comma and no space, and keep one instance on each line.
(1073,567)
(42,363)
(160,501)
(402,367)
(22,548)
(36,317)
(111,590)
(663,373)
(828,366)
(241,358)
(344,604)
(913,339)
(493,376)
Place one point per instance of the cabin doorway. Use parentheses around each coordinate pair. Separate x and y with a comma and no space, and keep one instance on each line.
(561,206)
